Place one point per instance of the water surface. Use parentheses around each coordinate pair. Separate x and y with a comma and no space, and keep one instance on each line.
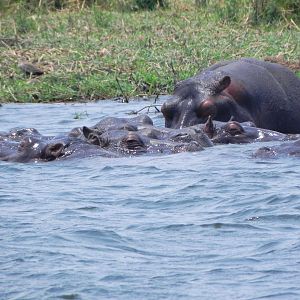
(216,224)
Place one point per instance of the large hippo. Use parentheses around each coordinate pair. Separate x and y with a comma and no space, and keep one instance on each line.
(267,94)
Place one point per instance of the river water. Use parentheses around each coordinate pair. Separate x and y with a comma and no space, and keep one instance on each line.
(216,224)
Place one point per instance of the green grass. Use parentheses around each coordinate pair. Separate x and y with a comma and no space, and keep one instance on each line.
(95,54)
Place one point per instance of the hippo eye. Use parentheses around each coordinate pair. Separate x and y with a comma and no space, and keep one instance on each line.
(234,128)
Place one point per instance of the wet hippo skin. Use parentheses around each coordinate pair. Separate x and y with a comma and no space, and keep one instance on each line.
(267,94)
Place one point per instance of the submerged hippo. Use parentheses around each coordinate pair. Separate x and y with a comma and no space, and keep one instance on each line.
(234,132)
(264,93)
(111,137)
(286,149)
(30,149)
(46,148)
(115,123)
(18,134)
(130,124)
(148,139)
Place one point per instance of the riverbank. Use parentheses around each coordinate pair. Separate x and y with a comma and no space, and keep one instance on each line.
(93,53)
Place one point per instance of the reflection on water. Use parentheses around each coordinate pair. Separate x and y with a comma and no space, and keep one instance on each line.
(210,225)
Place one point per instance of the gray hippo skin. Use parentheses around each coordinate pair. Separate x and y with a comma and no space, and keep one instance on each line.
(234,132)
(130,124)
(148,140)
(264,93)
(131,136)
(114,123)
(46,148)
(30,149)
(288,149)
(17,134)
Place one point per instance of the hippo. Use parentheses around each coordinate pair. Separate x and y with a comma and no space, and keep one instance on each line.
(131,136)
(30,149)
(114,123)
(18,134)
(267,94)
(234,132)
(288,149)
(7,148)
(126,142)
(28,145)
(38,148)
(78,148)
(197,133)
(130,124)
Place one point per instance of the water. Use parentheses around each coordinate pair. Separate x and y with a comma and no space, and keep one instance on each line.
(210,225)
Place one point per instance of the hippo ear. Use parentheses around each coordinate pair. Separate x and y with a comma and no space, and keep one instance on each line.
(86,131)
(221,84)
(209,127)
(54,151)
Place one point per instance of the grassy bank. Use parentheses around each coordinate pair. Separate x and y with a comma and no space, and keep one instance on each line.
(93,53)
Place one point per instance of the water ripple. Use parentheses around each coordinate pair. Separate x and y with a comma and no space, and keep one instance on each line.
(209,225)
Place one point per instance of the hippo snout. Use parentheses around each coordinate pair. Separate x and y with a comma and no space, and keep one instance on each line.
(177,117)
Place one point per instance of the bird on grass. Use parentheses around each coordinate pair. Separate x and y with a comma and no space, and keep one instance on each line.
(30,69)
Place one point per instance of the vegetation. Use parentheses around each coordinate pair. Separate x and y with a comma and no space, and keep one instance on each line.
(102,49)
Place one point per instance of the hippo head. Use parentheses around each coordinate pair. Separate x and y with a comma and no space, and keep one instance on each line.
(31,148)
(235,133)
(130,124)
(18,134)
(197,98)
(120,140)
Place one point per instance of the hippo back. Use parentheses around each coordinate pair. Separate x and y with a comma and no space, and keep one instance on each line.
(272,92)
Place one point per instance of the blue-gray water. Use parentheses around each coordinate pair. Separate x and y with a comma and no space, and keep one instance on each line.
(210,225)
